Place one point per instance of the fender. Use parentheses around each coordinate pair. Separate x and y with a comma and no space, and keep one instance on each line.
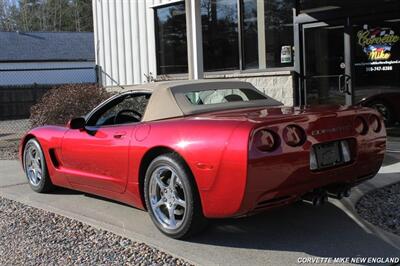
(212,149)
(50,139)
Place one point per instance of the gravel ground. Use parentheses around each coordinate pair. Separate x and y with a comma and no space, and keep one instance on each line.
(9,149)
(29,236)
(381,207)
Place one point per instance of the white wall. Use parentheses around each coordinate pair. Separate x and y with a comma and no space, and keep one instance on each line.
(125,40)
(46,73)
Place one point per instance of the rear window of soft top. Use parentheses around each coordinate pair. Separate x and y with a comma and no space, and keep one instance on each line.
(218,96)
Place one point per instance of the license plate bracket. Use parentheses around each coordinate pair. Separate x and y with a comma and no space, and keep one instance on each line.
(328,154)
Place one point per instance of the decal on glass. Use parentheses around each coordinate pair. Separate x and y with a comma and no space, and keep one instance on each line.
(377,42)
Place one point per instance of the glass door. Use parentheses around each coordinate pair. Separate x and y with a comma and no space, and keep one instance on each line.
(326,64)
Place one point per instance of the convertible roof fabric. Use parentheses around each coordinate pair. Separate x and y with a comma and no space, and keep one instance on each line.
(168,98)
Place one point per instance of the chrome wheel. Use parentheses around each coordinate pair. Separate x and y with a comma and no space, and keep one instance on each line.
(167,197)
(33,161)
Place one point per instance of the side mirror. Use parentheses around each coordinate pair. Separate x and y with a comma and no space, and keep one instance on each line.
(77,123)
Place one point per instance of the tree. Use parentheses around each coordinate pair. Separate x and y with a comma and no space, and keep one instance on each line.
(8,13)
(46,15)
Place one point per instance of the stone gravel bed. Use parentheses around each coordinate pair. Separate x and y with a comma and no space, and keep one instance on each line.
(381,207)
(29,236)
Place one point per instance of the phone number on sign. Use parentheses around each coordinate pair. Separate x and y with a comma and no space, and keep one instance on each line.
(379,68)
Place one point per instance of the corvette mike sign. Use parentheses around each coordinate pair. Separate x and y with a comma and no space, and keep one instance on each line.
(378,45)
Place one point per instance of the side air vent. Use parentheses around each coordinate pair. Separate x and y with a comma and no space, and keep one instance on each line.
(54,159)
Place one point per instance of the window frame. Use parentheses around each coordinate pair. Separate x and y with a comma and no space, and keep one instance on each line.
(156,31)
(241,69)
(109,101)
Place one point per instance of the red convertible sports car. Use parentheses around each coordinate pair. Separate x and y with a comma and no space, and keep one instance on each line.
(188,151)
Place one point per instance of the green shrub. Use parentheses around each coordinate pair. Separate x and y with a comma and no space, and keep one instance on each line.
(62,103)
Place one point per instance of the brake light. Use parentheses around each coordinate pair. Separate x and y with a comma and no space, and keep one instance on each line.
(265,140)
(294,135)
(360,125)
(374,123)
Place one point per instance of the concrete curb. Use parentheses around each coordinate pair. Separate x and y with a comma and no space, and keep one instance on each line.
(348,205)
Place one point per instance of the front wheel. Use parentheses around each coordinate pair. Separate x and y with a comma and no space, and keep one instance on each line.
(36,168)
(171,197)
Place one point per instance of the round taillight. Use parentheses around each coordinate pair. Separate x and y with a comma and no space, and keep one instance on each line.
(265,140)
(375,123)
(360,125)
(294,135)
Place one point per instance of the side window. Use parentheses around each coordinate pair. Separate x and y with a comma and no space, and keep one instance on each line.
(128,109)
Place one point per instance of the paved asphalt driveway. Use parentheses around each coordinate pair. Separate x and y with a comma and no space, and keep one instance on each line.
(279,237)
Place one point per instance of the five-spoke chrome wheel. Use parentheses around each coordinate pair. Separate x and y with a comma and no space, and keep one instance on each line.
(172,198)
(167,197)
(33,160)
(35,167)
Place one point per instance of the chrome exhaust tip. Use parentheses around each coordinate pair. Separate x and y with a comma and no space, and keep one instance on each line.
(347,192)
(315,198)
(339,192)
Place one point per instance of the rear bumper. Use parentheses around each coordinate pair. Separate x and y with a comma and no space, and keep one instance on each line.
(283,178)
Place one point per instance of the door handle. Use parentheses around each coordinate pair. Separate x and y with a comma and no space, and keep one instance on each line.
(344,83)
(119,135)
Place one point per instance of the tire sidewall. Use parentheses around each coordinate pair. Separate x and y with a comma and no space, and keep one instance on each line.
(40,187)
(389,118)
(187,183)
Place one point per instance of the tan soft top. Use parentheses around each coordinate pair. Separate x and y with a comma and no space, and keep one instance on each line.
(168,98)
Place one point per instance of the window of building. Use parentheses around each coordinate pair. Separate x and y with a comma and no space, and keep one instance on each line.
(237,35)
(279,33)
(220,34)
(171,42)
(376,75)
(250,34)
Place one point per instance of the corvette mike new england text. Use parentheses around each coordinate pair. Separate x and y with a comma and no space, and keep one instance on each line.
(342,260)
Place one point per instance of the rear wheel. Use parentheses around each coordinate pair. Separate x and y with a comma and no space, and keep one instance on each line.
(36,168)
(385,110)
(172,198)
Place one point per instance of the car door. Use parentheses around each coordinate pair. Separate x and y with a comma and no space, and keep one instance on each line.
(97,156)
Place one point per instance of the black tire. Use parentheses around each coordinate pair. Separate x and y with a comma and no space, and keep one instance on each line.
(44,184)
(385,110)
(193,221)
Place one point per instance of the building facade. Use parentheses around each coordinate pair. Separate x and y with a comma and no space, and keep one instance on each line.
(141,40)
(297,51)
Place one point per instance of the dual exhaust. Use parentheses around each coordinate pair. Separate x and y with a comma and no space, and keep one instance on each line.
(320,197)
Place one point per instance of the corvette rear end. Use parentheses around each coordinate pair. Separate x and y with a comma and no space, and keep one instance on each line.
(309,154)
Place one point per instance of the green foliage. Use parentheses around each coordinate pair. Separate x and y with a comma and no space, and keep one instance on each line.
(60,104)
(46,15)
